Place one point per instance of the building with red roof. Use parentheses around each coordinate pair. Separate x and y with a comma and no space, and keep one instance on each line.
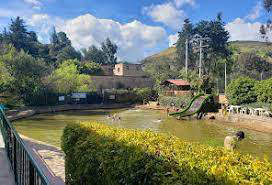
(176,87)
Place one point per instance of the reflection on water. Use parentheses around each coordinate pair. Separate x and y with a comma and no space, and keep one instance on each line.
(48,128)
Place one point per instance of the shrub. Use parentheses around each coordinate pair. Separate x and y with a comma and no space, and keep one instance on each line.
(241,91)
(100,154)
(178,101)
(137,95)
(264,91)
(145,94)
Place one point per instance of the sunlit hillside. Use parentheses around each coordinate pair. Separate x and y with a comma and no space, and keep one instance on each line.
(262,49)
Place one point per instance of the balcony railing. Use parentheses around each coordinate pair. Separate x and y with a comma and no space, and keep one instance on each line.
(25,168)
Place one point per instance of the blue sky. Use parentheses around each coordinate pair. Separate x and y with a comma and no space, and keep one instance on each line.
(139,27)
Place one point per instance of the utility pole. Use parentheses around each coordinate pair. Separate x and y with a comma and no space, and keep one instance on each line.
(186,57)
(225,76)
(200,57)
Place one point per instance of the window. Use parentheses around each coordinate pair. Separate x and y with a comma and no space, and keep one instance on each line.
(137,68)
(118,69)
(127,67)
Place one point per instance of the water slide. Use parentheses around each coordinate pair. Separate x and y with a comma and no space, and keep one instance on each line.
(193,107)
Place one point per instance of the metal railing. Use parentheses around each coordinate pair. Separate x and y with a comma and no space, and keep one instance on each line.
(25,168)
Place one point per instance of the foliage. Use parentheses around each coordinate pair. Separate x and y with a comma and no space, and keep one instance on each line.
(100,154)
(241,91)
(145,94)
(264,91)
(66,79)
(160,71)
(20,38)
(90,68)
(5,77)
(252,65)
(109,49)
(136,95)
(217,43)
(199,85)
(61,48)
(176,101)
(187,32)
(25,71)
(94,54)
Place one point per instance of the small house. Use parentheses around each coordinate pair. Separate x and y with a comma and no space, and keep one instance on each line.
(176,87)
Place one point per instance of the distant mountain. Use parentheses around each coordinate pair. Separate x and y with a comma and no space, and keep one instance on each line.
(262,49)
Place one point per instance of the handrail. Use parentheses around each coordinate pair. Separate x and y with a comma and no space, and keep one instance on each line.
(24,166)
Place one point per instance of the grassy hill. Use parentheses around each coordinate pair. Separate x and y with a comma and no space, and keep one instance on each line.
(260,48)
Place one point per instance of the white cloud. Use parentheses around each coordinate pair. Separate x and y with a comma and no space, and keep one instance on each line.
(43,24)
(180,3)
(36,4)
(167,14)
(239,29)
(135,40)
(256,12)
(172,39)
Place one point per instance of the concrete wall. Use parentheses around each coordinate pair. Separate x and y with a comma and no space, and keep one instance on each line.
(107,70)
(128,70)
(109,82)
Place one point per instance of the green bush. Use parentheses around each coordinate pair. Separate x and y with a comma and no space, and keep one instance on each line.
(176,101)
(100,154)
(241,91)
(264,91)
(145,94)
(137,95)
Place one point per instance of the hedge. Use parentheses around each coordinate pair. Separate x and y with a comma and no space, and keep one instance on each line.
(100,154)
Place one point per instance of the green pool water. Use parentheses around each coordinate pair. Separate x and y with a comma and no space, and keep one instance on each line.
(48,128)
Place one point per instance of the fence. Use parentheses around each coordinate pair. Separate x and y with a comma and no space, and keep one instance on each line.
(25,168)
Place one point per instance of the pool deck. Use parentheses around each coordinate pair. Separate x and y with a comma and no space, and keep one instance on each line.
(6,174)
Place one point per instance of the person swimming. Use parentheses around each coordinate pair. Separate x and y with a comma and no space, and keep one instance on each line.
(230,142)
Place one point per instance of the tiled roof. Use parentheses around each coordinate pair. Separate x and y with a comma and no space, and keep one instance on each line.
(178,82)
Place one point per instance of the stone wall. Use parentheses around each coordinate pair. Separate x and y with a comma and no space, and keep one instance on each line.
(128,70)
(109,82)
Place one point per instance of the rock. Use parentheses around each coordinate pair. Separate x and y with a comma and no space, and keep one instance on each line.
(212,117)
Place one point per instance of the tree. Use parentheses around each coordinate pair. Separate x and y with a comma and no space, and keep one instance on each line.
(90,68)
(251,65)
(109,49)
(5,78)
(264,29)
(61,48)
(66,79)
(187,32)
(160,71)
(94,54)
(263,91)
(241,91)
(26,73)
(67,53)
(218,43)
(199,85)
(20,38)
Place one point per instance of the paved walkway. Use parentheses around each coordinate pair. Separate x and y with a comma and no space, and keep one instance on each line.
(6,175)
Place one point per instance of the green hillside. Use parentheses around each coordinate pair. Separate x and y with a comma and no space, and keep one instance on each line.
(262,49)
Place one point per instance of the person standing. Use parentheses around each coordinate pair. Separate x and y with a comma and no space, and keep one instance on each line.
(230,142)
(167,111)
